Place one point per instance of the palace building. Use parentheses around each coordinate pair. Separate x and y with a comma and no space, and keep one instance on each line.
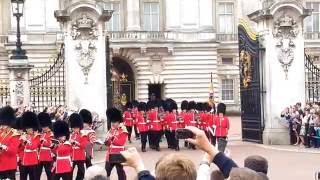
(166,47)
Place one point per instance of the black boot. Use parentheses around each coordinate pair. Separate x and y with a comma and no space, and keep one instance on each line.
(177,148)
(143,149)
(158,148)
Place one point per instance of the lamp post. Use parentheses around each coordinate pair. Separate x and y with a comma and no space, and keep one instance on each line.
(17,10)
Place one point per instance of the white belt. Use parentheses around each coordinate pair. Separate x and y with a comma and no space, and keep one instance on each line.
(155,121)
(64,157)
(45,148)
(29,150)
(129,118)
(112,146)
(76,147)
(142,123)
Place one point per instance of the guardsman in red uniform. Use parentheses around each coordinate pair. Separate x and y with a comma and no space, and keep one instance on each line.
(45,152)
(172,124)
(142,125)
(135,110)
(199,114)
(222,123)
(9,142)
(190,119)
(78,142)
(62,167)
(184,108)
(128,119)
(31,142)
(115,140)
(155,126)
(89,133)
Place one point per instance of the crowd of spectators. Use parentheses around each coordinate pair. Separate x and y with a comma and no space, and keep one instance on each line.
(303,123)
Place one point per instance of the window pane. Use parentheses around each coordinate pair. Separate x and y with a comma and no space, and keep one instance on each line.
(151,16)
(227,89)
(221,8)
(229,8)
(154,8)
(308,24)
(146,8)
(308,4)
(146,23)
(315,7)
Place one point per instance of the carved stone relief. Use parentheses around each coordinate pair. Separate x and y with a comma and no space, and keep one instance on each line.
(285,31)
(84,31)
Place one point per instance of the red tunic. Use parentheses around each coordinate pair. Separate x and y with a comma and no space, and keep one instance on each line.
(91,138)
(155,123)
(115,140)
(181,119)
(30,153)
(78,143)
(190,119)
(141,123)
(134,112)
(45,153)
(128,120)
(63,163)
(222,124)
(171,121)
(8,156)
(203,120)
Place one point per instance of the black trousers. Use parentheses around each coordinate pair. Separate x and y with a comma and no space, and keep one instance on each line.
(63,176)
(136,131)
(168,137)
(88,162)
(129,128)
(30,171)
(151,139)
(144,136)
(119,167)
(11,174)
(47,165)
(81,169)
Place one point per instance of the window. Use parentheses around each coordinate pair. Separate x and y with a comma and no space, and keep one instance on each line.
(227,90)
(226,18)
(114,24)
(312,22)
(227,61)
(151,16)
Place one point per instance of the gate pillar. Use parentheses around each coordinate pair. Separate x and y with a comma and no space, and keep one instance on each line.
(83,25)
(280,28)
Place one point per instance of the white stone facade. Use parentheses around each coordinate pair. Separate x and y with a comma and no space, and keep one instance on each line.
(175,43)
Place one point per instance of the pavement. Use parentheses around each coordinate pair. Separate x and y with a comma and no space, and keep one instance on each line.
(285,162)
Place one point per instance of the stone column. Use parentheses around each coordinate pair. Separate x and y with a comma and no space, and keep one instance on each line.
(19,82)
(205,14)
(172,14)
(85,56)
(280,29)
(133,15)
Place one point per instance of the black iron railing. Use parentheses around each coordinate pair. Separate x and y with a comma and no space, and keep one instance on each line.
(48,88)
(312,83)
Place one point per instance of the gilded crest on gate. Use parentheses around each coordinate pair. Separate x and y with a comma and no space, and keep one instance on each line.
(245,68)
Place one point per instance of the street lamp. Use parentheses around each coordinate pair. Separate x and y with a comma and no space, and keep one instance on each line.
(17,10)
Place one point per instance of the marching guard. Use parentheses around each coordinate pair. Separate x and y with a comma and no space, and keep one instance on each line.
(9,142)
(45,153)
(78,142)
(142,125)
(115,140)
(62,167)
(155,126)
(128,119)
(89,133)
(172,123)
(31,143)
(135,110)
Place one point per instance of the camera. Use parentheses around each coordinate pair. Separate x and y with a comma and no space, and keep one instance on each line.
(184,134)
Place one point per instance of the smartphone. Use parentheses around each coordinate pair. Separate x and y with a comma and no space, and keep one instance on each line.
(184,134)
(317,175)
(116,158)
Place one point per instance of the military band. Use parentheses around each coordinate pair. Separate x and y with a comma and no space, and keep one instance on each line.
(31,143)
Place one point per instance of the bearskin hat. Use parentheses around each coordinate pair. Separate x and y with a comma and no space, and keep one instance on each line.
(45,120)
(199,106)
(61,128)
(158,103)
(174,105)
(135,103)
(75,121)
(128,105)
(30,120)
(184,105)
(150,105)
(7,116)
(167,105)
(221,108)
(142,106)
(86,116)
(206,107)
(114,115)
(17,124)
(191,105)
